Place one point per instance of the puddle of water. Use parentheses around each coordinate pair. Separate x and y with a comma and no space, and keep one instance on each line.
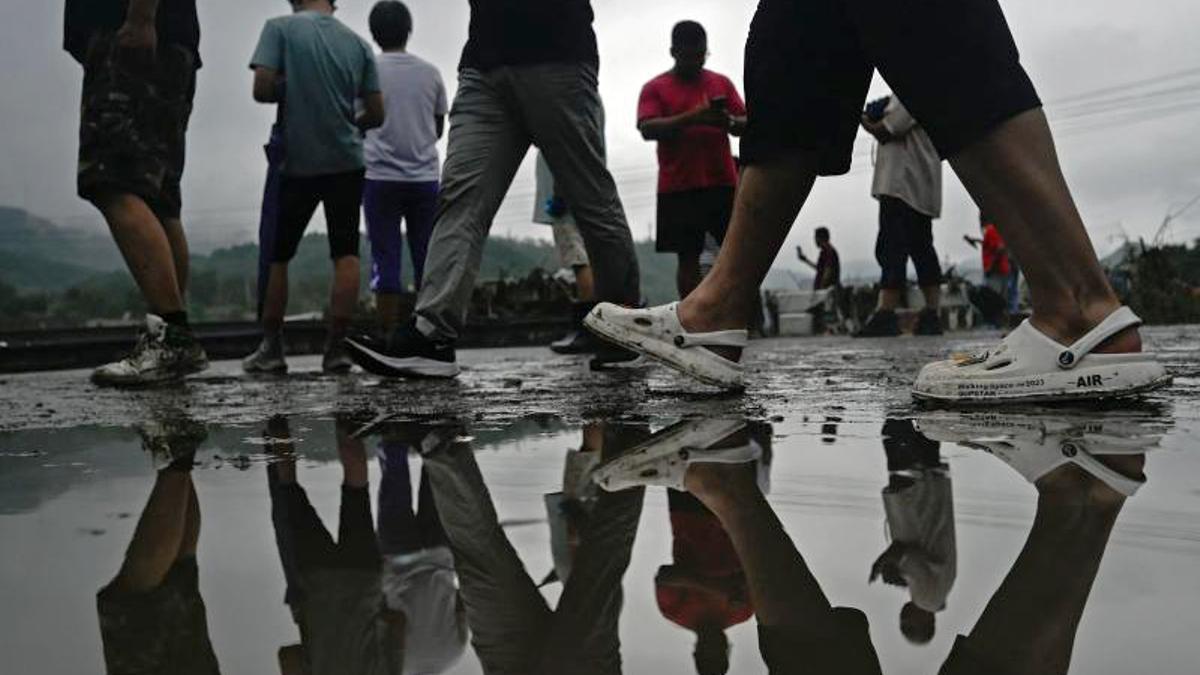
(822,543)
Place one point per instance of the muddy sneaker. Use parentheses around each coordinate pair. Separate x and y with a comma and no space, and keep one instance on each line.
(578,341)
(883,323)
(406,353)
(172,441)
(337,359)
(929,322)
(612,357)
(163,353)
(268,358)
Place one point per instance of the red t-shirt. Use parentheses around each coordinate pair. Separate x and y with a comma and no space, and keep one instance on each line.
(700,156)
(994,261)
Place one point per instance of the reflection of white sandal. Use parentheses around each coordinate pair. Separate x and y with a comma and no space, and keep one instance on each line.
(657,333)
(1030,366)
(1035,446)
(663,459)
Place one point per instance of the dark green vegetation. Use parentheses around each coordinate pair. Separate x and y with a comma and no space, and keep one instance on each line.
(51,277)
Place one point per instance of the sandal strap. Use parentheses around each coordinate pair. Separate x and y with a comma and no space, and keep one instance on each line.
(1111,325)
(721,338)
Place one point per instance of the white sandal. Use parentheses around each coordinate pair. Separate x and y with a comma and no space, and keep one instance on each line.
(1035,446)
(1030,366)
(657,333)
(663,459)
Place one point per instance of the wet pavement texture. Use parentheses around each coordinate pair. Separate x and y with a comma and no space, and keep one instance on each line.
(818,523)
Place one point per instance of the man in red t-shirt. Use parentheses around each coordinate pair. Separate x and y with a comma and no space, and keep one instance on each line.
(691,112)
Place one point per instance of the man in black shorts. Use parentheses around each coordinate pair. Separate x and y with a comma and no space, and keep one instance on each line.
(690,112)
(955,66)
(139,77)
(327,69)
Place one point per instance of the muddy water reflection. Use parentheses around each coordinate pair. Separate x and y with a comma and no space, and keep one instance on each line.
(933,542)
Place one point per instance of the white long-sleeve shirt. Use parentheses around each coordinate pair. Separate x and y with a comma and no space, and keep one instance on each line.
(908,167)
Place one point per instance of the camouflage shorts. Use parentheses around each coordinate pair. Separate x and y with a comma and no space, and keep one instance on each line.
(134,119)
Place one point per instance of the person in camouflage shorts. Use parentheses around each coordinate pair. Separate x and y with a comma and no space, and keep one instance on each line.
(139,61)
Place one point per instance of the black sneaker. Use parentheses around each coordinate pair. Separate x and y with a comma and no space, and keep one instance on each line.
(929,322)
(611,357)
(883,323)
(578,341)
(406,353)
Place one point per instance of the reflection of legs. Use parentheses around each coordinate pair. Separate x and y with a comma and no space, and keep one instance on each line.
(1029,625)
(167,528)
(507,614)
(799,630)
(583,636)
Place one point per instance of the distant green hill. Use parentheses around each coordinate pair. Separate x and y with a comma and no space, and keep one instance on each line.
(29,236)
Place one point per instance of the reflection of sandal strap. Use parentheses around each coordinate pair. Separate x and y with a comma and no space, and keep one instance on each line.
(1088,462)
(1111,325)
(721,338)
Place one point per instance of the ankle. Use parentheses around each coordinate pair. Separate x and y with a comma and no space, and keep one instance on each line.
(1068,322)
(699,312)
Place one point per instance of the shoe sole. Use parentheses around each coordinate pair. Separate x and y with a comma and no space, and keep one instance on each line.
(388,366)
(1051,397)
(648,347)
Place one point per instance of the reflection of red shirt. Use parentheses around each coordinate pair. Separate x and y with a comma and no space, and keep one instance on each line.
(699,157)
(995,261)
(706,585)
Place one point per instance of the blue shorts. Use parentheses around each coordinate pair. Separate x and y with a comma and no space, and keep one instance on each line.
(386,203)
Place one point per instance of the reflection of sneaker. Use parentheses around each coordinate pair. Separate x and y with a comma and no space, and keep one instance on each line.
(406,353)
(883,323)
(173,440)
(336,359)
(1036,445)
(163,353)
(663,458)
(268,358)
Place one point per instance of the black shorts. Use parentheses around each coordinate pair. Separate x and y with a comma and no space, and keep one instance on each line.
(164,630)
(905,233)
(809,64)
(838,645)
(133,123)
(685,217)
(340,193)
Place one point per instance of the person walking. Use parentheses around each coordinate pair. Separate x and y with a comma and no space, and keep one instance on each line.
(139,60)
(690,112)
(809,64)
(908,185)
(528,76)
(402,158)
(321,68)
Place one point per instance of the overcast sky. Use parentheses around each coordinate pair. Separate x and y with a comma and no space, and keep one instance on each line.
(1128,161)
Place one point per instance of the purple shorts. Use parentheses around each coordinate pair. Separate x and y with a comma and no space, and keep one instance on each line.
(386,203)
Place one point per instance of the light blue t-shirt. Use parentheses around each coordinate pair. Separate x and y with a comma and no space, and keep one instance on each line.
(327,68)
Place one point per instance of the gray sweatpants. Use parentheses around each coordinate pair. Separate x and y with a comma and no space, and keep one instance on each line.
(496,116)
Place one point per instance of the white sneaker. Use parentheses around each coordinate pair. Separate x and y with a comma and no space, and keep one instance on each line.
(163,353)
(1030,366)
(657,333)
(267,358)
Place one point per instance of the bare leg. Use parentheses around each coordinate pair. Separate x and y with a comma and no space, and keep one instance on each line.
(180,253)
(388,307)
(933,296)
(889,299)
(767,202)
(1014,174)
(586,283)
(160,534)
(146,248)
(344,295)
(275,303)
(687,274)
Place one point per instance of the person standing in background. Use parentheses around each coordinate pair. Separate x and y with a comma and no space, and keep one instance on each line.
(402,159)
(551,209)
(327,69)
(828,268)
(139,60)
(690,112)
(908,185)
